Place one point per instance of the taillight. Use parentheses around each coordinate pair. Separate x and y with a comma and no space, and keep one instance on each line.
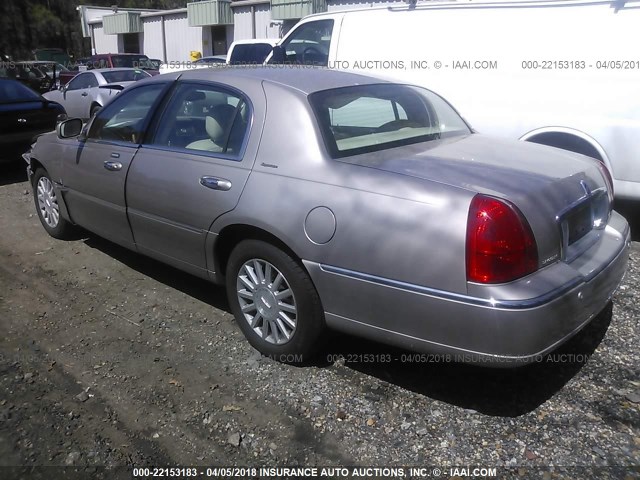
(500,243)
(607,178)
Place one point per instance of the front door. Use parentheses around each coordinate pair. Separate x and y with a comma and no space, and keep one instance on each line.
(76,95)
(94,179)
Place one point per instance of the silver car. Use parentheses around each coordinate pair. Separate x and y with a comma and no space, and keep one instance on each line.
(88,91)
(330,199)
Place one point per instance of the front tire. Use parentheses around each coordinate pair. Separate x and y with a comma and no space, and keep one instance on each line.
(94,109)
(47,206)
(274,302)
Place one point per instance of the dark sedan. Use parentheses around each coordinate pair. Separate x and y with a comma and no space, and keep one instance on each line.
(24,114)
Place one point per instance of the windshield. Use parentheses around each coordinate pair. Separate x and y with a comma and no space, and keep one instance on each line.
(12,91)
(118,76)
(367,118)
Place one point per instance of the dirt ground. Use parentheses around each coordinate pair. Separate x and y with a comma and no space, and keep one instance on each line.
(110,359)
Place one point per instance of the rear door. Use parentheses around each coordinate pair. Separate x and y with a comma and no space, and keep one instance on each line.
(192,171)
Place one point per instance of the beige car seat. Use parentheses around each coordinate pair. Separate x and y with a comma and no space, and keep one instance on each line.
(217,126)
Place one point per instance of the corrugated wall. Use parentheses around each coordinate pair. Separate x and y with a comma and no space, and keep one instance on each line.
(264,29)
(104,43)
(152,37)
(241,23)
(264,26)
(181,38)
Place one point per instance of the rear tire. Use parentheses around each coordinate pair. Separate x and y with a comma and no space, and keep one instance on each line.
(274,302)
(47,206)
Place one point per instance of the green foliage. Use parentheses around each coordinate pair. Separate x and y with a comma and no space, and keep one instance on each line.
(29,24)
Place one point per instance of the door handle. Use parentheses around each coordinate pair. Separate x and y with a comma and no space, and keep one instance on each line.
(215,183)
(84,94)
(113,166)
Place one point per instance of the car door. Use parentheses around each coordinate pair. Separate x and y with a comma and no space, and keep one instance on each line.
(189,173)
(94,178)
(76,95)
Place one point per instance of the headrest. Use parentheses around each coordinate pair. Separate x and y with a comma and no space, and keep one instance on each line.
(214,129)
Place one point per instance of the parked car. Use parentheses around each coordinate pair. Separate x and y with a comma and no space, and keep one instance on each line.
(215,60)
(56,55)
(509,80)
(120,60)
(83,96)
(24,114)
(203,62)
(329,199)
(250,52)
(26,73)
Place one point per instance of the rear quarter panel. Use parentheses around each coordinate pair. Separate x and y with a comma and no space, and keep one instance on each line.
(386,224)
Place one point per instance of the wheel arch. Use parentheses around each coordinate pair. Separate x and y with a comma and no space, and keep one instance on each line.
(34,165)
(232,235)
(569,139)
(94,103)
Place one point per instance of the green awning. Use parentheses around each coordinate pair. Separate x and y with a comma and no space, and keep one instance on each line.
(123,22)
(210,12)
(293,9)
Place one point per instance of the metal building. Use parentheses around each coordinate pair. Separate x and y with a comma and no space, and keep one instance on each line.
(207,26)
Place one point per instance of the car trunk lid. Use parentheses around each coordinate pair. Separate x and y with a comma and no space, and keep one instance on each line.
(561,194)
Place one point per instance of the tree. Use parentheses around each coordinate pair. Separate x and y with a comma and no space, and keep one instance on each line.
(29,24)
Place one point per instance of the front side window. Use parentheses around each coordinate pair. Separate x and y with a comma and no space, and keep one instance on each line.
(368,118)
(84,80)
(204,118)
(123,119)
(308,44)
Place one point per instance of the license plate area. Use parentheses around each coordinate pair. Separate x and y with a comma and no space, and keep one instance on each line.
(581,224)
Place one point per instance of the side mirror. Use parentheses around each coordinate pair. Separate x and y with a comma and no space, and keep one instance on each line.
(69,128)
(278,54)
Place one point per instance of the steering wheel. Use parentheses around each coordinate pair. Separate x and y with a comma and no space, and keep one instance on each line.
(313,52)
(397,125)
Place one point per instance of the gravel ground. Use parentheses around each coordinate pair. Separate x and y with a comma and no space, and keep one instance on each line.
(111,359)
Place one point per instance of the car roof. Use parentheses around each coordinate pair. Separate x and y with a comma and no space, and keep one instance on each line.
(304,78)
(117,69)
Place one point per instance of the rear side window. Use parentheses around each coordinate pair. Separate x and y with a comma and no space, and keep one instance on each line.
(205,119)
(368,118)
(249,53)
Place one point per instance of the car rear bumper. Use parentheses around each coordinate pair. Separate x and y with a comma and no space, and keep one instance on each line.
(489,330)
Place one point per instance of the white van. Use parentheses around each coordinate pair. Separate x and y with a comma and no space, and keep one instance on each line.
(561,73)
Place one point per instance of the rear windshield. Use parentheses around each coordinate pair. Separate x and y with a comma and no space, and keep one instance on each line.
(124,76)
(12,91)
(368,118)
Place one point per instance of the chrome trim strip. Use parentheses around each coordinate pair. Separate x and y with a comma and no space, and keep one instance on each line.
(458,297)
